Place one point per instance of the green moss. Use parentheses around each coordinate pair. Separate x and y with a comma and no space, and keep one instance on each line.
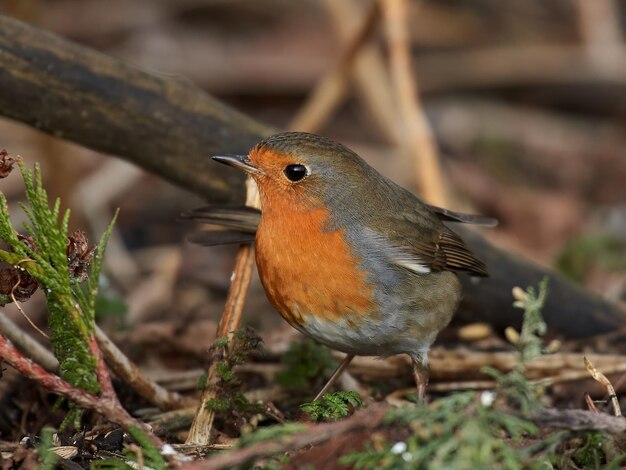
(332,406)
(216,404)
(305,363)
(230,403)
(224,372)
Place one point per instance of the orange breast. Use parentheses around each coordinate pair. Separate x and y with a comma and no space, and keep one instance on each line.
(307,269)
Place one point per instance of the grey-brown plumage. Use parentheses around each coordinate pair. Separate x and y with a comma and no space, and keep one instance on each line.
(347,256)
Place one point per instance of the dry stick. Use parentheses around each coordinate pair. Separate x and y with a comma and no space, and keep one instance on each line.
(579,420)
(590,404)
(465,365)
(600,377)
(200,432)
(27,344)
(130,373)
(456,369)
(572,375)
(601,30)
(455,386)
(19,308)
(331,89)
(369,70)
(107,405)
(417,133)
(102,372)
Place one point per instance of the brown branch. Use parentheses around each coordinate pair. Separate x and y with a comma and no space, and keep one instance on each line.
(164,125)
(579,420)
(200,432)
(417,135)
(601,30)
(450,369)
(517,66)
(107,391)
(601,378)
(27,344)
(331,89)
(107,405)
(130,373)
(369,71)
(464,365)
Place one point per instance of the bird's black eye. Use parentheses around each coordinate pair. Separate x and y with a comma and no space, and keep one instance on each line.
(295,172)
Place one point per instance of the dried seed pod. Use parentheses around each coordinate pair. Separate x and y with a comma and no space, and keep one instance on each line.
(79,255)
(17,282)
(8,279)
(6,163)
(26,287)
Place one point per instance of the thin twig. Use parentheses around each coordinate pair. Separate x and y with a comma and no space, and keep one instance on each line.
(19,308)
(27,344)
(107,391)
(579,420)
(465,365)
(417,134)
(573,375)
(600,377)
(200,432)
(105,405)
(601,31)
(461,385)
(132,375)
(369,69)
(590,404)
(331,89)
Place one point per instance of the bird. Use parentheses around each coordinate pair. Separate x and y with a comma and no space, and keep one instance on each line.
(345,255)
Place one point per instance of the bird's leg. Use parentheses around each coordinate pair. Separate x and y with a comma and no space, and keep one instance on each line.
(420,373)
(335,376)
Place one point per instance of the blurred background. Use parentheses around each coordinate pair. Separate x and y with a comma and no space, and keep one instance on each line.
(525,101)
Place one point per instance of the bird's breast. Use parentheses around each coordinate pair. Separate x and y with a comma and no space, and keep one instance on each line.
(308,269)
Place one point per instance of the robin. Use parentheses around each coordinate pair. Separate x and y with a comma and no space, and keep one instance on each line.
(348,257)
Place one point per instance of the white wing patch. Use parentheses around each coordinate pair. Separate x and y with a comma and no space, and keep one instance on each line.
(396,255)
(412,264)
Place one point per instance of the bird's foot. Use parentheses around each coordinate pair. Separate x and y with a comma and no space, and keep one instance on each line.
(420,374)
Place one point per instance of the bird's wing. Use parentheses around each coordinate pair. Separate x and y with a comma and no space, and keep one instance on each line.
(424,246)
(223,224)
(459,217)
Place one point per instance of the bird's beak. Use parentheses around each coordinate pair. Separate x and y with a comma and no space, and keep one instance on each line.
(240,162)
